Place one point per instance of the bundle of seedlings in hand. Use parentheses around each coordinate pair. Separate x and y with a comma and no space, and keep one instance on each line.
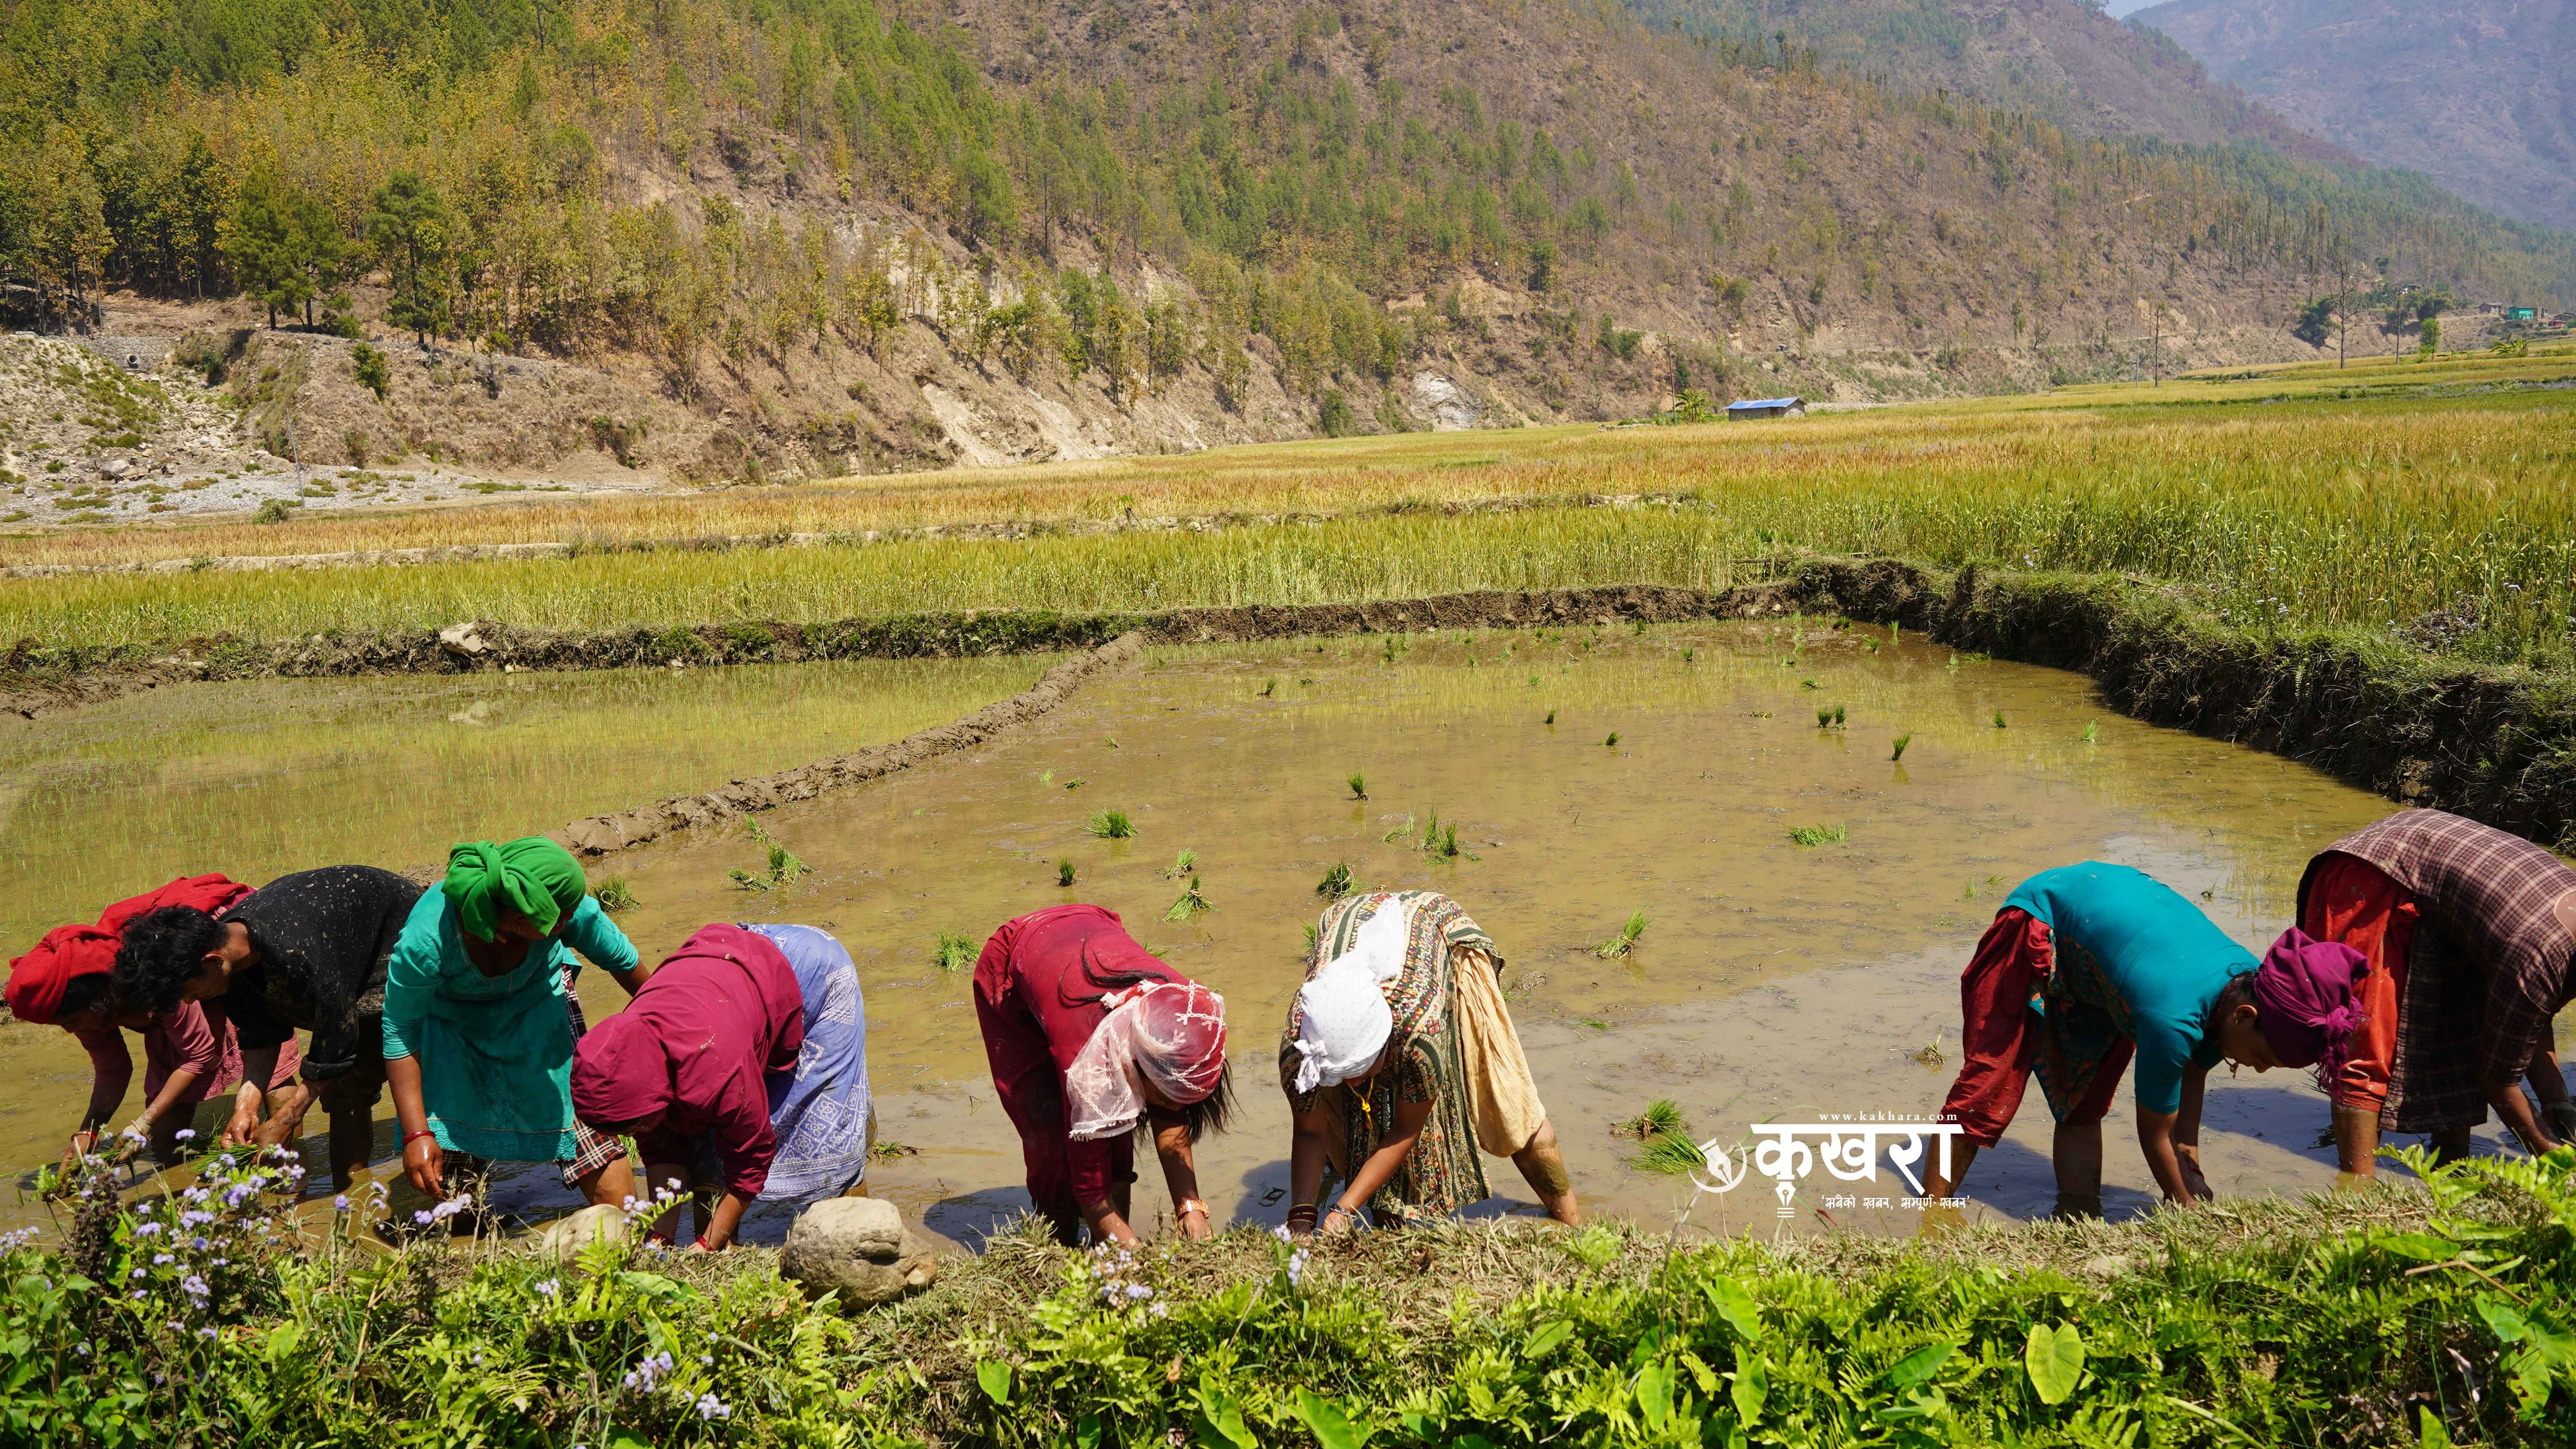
(1626,940)
(783,869)
(1191,902)
(1337,882)
(1110,825)
(1182,864)
(953,952)
(1813,835)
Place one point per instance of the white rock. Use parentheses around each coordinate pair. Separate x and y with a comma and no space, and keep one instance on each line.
(596,1223)
(859,1248)
(464,639)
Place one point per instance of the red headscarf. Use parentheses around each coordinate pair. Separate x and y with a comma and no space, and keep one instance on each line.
(37,979)
(2307,1002)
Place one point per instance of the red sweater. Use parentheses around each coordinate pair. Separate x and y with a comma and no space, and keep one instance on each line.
(1043,1002)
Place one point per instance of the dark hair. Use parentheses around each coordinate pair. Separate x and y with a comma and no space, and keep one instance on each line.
(1211,1113)
(2239,991)
(160,951)
(84,993)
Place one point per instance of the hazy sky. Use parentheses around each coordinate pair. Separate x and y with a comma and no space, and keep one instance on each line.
(2123,7)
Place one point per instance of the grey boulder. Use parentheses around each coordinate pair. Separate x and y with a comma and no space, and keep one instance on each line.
(859,1248)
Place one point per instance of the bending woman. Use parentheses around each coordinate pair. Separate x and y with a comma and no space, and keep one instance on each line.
(480,1017)
(1088,1035)
(305,950)
(1400,1061)
(2088,965)
(742,1065)
(2469,932)
(189,1052)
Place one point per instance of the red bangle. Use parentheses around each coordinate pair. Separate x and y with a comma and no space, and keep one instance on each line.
(411,1137)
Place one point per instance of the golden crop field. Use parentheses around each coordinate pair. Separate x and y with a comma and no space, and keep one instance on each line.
(2369,496)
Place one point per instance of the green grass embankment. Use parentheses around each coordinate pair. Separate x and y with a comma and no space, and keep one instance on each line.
(2400,1316)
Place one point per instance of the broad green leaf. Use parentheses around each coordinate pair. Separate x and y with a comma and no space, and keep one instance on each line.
(1752,1384)
(2430,1432)
(1735,1305)
(2055,1359)
(628,1439)
(2422,1247)
(1700,1371)
(1655,1395)
(1330,1426)
(1913,1369)
(2501,1317)
(654,1285)
(1546,1338)
(283,1340)
(1221,1421)
(995,1376)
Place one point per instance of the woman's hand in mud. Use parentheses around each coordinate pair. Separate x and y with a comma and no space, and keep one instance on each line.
(1339,1222)
(426,1166)
(241,1127)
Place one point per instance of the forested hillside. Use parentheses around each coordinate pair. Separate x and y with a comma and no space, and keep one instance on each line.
(830,221)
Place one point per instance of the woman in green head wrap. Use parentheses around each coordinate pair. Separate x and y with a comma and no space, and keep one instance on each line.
(481,1016)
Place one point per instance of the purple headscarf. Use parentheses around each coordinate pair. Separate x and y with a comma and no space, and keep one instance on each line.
(2306,1000)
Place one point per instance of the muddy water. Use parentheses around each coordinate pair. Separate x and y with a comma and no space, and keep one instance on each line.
(257,779)
(1774,980)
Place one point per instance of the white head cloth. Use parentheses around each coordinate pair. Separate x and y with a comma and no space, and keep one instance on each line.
(1180,1044)
(1343,1018)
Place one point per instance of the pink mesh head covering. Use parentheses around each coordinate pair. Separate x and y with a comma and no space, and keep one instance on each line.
(1171,1033)
(2306,1002)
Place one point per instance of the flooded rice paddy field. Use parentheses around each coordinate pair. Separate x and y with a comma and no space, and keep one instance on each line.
(1774,981)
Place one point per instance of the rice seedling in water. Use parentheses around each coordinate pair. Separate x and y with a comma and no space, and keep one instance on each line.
(1444,845)
(1689,654)
(1046,777)
(1901,742)
(1611,743)
(615,895)
(1110,825)
(1110,740)
(889,1150)
(1310,938)
(1999,719)
(1809,683)
(1830,719)
(1814,835)
(1182,864)
(1594,1022)
(782,869)
(1359,786)
(1399,832)
(1190,903)
(1336,883)
(1669,1153)
(1626,940)
(1661,1115)
(2092,731)
(953,952)
(1551,714)
(1073,784)
(1063,873)
(1267,687)
(1929,1054)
